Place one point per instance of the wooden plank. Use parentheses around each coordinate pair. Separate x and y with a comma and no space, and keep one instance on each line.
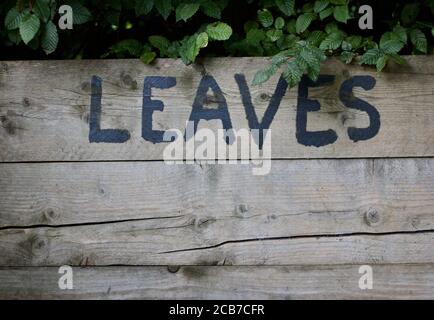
(303,212)
(138,244)
(294,282)
(296,198)
(45,106)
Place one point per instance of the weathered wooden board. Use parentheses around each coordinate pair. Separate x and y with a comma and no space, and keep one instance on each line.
(297,197)
(289,282)
(45,108)
(303,212)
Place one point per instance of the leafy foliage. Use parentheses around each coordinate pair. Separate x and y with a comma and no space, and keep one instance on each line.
(298,35)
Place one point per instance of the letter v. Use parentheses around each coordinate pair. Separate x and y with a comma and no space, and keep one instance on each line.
(269,114)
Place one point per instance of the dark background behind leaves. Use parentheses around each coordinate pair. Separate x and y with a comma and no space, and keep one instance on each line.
(298,34)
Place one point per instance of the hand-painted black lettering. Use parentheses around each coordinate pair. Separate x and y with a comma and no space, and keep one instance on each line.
(96,134)
(305,105)
(198,111)
(269,114)
(348,99)
(149,106)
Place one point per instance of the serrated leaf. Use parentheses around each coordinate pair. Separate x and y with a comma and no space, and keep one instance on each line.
(316,37)
(391,46)
(13,19)
(355,42)
(303,22)
(371,57)
(42,10)
(332,41)
(211,9)
(320,5)
(292,73)
(325,13)
(308,58)
(419,40)
(381,63)
(186,10)
(401,33)
(29,27)
(347,57)
(265,18)
(80,14)
(164,7)
(286,6)
(313,71)
(263,75)
(331,27)
(341,13)
(274,34)
(398,59)
(219,31)
(50,38)
(279,23)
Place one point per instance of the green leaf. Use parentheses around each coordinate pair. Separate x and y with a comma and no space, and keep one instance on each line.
(332,41)
(164,7)
(80,14)
(397,58)
(29,27)
(341,13)
(127,47)
(161,43)
(320,5)
(186,10)
(307,58)
(381,63)
(147,57)
(50,38)
(211,9)
(326,13)
(265,18)
(143,7)
(419,40)
(274,34)
(316,37)
(286,6)
(371,56)
(303,22)
(347,57)
(13,19)
(391,46)
(263,75)
(42,10)
(355,42)
(292,73)
(401,33)
(279,23)
(219,31)
(202,40)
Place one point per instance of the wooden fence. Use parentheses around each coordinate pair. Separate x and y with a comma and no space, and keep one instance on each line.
(83,182)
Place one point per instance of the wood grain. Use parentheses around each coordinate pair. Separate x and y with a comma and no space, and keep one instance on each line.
(303,212)
(289,282)
(44,108)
